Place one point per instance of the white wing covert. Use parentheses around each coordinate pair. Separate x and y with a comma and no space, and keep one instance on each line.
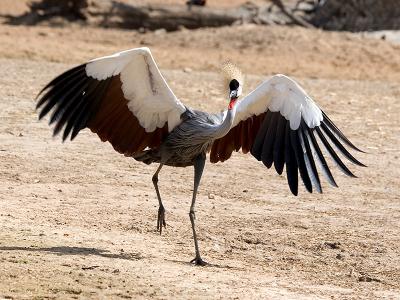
(279,124)
(149,97)
(122,97)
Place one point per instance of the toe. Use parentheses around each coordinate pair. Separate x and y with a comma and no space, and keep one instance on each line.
(198,262)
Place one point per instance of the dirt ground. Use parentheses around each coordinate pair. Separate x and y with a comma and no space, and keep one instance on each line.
(78,220)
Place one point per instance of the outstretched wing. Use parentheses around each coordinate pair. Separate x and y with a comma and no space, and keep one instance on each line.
(123,98)
(280,124)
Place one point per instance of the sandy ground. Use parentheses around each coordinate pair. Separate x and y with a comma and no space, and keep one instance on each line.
(77,220)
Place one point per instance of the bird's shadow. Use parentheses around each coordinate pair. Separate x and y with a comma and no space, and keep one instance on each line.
(85,251)
(65,250)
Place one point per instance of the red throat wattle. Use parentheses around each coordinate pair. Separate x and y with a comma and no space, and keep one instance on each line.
(232,103)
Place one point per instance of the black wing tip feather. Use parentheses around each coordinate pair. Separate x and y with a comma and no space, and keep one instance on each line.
(299,155)
(333,154)
(309,158)
(58,79)
(321,159)
(341,135)
(279,146)
(291,163)
(279,168)
(73,97)
(256,149)
(297,150)
(339,146)
(270,137)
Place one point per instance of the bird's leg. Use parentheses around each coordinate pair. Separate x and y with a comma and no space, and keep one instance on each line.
(161,209)
(198,171)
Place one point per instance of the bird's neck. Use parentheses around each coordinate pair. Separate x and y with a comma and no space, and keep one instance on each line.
(226,124)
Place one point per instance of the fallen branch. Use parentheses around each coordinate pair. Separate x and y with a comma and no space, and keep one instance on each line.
(296,20)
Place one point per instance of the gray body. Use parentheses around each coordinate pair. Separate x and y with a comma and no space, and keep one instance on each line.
(193,137)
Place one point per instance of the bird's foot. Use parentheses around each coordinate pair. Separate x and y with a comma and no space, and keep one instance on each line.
(161,218)
(197,261)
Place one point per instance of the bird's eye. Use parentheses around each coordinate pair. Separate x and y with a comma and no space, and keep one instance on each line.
(234,84)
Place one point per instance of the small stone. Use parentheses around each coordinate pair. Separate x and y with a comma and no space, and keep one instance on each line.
(211,196)
(332,245)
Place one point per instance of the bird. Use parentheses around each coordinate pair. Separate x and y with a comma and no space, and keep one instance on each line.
(126,101)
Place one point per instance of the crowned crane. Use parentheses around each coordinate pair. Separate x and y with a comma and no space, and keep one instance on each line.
(125,100)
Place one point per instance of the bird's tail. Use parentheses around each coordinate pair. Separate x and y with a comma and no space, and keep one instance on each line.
(148,156)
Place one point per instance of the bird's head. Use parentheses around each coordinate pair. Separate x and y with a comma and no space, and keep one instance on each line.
(233,82)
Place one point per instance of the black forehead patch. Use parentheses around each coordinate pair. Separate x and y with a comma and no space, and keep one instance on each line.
(233,85)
